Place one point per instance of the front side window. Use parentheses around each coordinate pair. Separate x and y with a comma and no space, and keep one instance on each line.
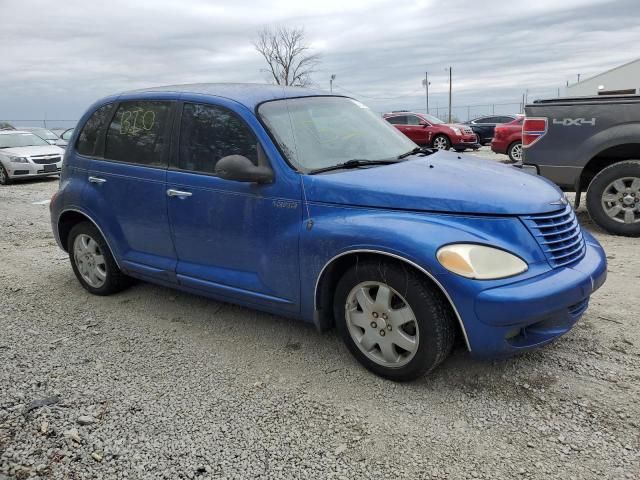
(139,133)
(320,132)
(209,133)
(88,139)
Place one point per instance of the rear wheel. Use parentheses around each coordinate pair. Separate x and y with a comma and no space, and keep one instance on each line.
(92,262)
(613,198)
(392,320)
(515,151)
(441,142)
(4,176)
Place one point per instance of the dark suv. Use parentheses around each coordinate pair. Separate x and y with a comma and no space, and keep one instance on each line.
(484,127)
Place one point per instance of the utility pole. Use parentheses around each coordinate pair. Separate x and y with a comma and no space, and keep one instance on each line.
(450,77)
(425,82)
(578,78)
(333,77)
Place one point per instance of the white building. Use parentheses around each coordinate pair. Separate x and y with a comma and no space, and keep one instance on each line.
(624,79)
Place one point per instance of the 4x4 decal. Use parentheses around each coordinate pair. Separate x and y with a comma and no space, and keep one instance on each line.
(577,122)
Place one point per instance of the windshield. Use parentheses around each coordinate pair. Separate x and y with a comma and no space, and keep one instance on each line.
(44,133)
(431,119)
(10,140)
(318,132)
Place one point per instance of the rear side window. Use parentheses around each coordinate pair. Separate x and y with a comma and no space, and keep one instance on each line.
(209,133)
(139,133)
(90,134)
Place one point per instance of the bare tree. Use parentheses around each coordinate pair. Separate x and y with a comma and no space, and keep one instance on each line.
(288,56)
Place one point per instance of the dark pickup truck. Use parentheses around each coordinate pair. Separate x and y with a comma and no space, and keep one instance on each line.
(590,144)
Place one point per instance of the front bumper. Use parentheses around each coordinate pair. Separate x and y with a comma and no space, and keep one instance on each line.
(17,171)
(524,315)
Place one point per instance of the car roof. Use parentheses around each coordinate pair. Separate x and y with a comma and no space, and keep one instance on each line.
(248,94)
(401,113)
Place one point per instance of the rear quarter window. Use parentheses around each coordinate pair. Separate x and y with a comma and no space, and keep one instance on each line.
(89,136)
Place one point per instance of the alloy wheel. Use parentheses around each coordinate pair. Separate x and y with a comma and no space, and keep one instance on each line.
(382,324)
(90,260)
(621,200)
(516,152)
(440,143)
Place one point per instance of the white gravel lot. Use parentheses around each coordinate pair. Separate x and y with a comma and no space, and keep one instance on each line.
(153,383)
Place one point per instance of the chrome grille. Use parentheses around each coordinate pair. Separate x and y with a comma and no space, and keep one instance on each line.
(559,235)
(40,160)
(467,130)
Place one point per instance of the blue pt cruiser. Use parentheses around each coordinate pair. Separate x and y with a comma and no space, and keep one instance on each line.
(311,206)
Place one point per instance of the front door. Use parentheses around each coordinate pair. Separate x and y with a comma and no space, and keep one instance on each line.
(126,188)
(235,240)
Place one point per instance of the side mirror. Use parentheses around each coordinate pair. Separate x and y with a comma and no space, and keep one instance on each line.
(241,169)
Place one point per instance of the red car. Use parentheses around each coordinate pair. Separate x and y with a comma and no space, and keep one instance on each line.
(433,132)
(507,138)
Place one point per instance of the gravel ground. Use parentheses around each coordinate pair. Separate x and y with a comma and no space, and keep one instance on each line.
(152,383)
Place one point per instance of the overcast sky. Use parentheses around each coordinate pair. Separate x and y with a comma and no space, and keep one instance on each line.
(60,56)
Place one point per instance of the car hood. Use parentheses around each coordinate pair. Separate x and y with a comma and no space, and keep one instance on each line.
(35,150)
(441,182)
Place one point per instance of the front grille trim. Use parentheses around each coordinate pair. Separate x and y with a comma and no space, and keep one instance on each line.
(559,236)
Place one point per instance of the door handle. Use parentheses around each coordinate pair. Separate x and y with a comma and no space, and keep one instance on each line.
(178,193)
(97,180)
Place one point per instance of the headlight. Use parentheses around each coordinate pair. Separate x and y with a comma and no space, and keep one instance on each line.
(19,159)
(456,130)
(479,261)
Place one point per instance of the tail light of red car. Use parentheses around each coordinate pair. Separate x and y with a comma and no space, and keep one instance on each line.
(533,129)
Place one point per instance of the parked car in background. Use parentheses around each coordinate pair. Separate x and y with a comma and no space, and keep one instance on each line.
(507,139)
(430,131)
(46,134)
(66,135)
(590,144)
(484,127)
(311,206)
(26,155)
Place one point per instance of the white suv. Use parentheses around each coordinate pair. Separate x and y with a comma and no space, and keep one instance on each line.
(25,155)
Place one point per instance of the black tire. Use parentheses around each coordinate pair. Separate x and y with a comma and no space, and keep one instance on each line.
(479,139)
(115,280)
(433,316)
(447,142)
(598,188)
(4,176)
(510,151)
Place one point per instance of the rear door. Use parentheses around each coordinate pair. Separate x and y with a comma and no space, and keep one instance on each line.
(126,187)
(236,240)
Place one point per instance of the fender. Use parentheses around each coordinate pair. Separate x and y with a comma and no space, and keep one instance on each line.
(405,260)
(605,139)
(95,224)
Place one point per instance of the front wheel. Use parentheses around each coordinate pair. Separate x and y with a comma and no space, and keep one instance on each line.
(441,142)
(4,176)
(392,320)
(515,151)
(613,198)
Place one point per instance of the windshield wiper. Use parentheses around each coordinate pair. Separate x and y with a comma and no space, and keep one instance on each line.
(426,151)
(354,163)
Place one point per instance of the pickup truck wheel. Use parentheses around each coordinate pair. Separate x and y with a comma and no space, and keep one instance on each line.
(613,198)
(441,142)
(92,262)
(515,151)
(4,176)
(392,320)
